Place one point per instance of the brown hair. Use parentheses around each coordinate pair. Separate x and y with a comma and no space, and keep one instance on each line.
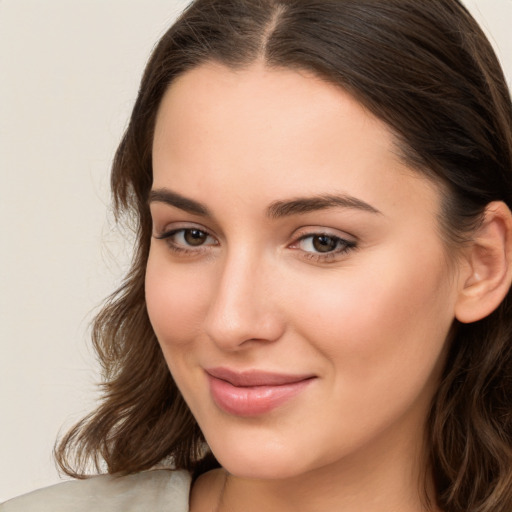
(427,70)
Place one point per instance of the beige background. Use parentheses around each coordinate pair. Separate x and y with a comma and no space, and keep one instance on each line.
(69,72)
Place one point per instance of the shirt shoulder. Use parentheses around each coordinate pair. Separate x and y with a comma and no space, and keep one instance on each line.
(148,491)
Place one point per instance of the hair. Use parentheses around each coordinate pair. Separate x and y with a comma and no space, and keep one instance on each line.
(426,69)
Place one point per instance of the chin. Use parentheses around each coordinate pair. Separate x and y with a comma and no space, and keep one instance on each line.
(259,460)
(260,469)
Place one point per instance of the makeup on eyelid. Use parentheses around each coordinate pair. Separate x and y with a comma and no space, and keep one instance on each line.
(322,244)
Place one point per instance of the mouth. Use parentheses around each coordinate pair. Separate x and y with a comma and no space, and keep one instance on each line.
(254,392)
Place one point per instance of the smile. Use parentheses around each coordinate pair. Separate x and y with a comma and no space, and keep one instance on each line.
(255,392)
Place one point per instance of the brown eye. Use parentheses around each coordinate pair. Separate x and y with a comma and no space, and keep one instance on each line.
(194,237)
(188,240)
(324,243)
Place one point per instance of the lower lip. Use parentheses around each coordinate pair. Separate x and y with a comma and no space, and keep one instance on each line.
(253,400)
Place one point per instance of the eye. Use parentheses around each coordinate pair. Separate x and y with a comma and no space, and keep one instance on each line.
(193,237)
(323,245)
(320,243)
(187,239)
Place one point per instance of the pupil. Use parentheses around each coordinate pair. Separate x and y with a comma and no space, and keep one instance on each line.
(195,237)
(324,243)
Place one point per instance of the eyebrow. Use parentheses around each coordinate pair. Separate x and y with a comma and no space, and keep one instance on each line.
(303,205)
(164,195)
(276,210)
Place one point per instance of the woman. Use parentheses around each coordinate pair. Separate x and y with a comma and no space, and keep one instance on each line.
(317,316)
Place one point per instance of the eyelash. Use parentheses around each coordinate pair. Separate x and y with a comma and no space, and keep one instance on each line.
(180,248)
(341,245)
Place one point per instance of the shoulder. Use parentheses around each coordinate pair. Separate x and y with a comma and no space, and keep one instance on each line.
(154,490)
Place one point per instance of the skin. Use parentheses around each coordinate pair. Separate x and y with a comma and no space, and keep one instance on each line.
(369,320)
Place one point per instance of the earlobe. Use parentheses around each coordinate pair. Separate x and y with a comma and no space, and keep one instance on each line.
(489,271)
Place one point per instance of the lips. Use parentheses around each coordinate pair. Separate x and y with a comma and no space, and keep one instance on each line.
(253,392)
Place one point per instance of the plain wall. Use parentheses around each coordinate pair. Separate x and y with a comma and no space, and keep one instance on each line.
(69,72)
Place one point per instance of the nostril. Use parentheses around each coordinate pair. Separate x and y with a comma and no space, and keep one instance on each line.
(241,312)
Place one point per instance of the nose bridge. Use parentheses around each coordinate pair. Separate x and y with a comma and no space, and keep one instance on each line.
(242,307)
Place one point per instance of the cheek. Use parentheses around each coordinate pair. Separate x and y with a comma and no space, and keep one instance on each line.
(383,319)
(176,301)
(382,332)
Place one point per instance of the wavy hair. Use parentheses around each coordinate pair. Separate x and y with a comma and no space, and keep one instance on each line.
(426,69)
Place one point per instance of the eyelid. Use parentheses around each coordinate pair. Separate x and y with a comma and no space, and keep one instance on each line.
(348,244)
(167,228)
(303,232)
(168,234)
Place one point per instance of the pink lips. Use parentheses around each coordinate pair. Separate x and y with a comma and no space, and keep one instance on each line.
(253,392)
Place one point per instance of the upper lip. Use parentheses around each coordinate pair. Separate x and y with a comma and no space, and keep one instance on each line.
(255,377)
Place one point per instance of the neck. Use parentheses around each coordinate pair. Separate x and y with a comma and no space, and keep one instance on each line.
(370,486)
(385,478)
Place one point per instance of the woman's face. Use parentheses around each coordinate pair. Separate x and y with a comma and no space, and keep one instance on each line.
(297,280)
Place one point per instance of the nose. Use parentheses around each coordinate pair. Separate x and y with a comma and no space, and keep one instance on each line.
(243,307)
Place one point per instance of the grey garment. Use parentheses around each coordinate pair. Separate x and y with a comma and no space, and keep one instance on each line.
(158,490)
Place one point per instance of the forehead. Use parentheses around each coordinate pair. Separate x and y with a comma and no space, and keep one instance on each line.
(261,100)
(270,133)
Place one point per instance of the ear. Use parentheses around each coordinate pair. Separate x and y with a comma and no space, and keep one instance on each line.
(488,275)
